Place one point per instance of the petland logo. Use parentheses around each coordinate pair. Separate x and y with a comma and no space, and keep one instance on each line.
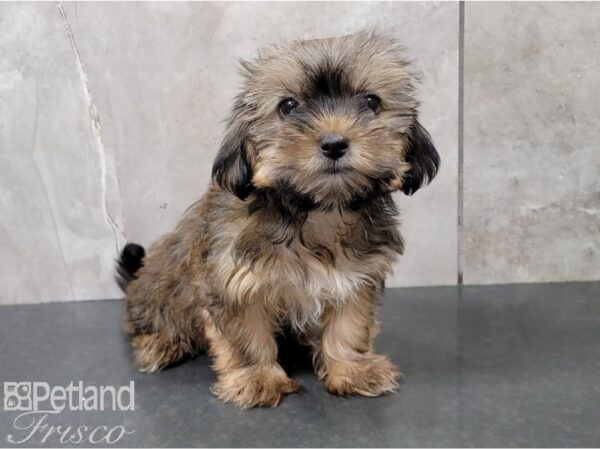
(37,401)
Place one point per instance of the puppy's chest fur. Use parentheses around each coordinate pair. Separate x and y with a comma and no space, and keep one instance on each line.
(301,269)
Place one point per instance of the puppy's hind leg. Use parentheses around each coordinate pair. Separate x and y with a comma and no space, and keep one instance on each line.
(154,352)
(163,330)
(164,316)
(163,343)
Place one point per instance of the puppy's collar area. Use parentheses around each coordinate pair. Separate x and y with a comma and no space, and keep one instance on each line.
(294,206)
(289,202)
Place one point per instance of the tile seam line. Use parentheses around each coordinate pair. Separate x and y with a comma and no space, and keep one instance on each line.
(461,93)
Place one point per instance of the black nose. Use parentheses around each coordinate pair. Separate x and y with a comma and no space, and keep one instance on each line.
(334,146)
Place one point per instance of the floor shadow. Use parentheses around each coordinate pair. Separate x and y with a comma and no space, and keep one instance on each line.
(293,356)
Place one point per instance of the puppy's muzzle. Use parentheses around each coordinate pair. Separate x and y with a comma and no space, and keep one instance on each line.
(333,146)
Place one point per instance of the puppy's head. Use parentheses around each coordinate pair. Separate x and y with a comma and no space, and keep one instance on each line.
(334,120)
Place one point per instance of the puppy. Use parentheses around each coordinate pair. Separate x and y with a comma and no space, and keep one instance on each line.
(298,228)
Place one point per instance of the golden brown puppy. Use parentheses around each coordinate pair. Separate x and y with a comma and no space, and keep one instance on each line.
(298,228)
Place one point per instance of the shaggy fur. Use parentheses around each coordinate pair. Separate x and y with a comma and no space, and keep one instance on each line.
(286,236)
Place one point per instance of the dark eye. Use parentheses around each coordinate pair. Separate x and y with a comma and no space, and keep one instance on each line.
(287,106)
(373,103)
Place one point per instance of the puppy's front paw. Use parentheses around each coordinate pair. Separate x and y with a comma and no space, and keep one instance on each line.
(370,376)
(254,386)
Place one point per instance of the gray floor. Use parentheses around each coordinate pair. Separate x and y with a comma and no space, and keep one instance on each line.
(515,365)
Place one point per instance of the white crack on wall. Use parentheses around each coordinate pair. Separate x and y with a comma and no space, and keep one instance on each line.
(117,228)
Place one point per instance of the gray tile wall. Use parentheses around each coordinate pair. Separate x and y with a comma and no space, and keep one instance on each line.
(111,113)
(532,142)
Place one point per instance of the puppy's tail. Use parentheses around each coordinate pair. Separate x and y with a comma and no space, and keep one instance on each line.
(129,263)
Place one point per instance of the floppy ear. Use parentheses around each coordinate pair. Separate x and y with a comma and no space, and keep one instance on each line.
(423,158)
(231,169)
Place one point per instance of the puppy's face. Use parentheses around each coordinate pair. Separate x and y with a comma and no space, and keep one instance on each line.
(334,120)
